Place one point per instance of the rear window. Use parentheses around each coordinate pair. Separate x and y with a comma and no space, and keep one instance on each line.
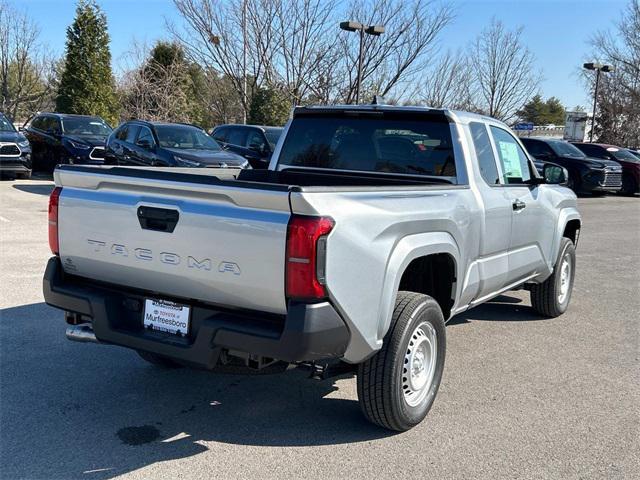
(371,144)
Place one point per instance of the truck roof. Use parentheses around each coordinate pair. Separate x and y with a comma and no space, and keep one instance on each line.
(459,115)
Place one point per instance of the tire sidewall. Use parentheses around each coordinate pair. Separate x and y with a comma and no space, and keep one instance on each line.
(567,249)
(430,312)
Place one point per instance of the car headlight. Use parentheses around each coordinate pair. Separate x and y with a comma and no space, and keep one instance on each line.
(185,162)
(79,146)
(24,144)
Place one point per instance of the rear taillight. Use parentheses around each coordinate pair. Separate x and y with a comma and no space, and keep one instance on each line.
(306,249)
(53,220)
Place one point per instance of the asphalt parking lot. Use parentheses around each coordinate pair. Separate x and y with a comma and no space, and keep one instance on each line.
(521,397)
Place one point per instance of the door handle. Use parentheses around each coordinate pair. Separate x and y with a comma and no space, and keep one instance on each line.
(518,205)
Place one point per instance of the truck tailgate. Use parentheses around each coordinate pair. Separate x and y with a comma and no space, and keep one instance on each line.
(227,246)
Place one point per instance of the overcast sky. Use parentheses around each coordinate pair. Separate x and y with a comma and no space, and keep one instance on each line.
(556,31)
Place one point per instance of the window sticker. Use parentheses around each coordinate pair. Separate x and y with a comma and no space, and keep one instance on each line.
(510,160)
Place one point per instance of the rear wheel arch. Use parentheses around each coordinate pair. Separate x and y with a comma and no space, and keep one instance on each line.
(433,275)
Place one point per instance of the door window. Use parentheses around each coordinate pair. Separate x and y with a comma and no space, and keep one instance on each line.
(145,135)
(513,159)
(484,152)
(537,148)
(256,141)
(38,123)
(237,136)
(121,133)
(221,134)
(132,132)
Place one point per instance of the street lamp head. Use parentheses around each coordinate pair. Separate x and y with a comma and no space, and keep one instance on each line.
(592,66)
(608,68)
(351,26)
(375,29)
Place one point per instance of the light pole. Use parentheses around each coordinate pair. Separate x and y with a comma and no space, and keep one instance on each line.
(375,30)
(598,67)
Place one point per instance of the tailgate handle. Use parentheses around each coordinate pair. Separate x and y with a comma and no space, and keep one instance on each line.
(158,219)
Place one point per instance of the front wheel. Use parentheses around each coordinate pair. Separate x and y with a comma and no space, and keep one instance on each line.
(397,386)
(551,297)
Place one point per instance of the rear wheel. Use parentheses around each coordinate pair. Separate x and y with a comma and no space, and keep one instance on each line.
(158,360)
(629,185)
(551,297)
(397,386)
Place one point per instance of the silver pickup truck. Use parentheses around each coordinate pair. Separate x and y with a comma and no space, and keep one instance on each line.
(371,228)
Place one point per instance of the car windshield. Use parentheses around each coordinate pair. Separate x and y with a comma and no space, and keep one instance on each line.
(566,149)
(623,154)
(85,126)
(273,134)
(185,137)
(370,143)
(6,125)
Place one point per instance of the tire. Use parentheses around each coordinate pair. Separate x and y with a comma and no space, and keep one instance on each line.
(158,360)
(389,395)
(550,298)
(629,185)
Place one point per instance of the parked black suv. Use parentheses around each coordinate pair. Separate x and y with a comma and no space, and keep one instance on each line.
(64,138)
(586,175)
(254,142)
(15,151)
(167,145)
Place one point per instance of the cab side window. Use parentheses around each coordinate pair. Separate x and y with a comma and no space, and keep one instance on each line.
(513,160)
(484,152)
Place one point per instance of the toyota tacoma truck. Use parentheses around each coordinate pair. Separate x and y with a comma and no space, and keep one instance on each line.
(372,227)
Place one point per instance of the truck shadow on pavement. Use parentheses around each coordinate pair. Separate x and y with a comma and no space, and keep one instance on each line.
(37,189)
(504,308)
(72,410)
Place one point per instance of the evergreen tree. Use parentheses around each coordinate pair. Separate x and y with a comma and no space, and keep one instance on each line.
(87,85)
(541,112)
(269,107)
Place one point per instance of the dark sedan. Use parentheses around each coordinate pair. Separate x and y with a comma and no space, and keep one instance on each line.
(63,138)
(167,145)
(586,175)
(630,163)
(15,151)
(256,143)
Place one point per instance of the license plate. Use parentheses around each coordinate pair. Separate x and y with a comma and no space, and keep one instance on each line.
(166,316)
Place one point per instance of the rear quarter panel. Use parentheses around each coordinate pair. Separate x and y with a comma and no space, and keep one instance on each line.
(376,235)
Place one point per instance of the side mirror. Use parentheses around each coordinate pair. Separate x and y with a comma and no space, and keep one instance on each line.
(21,129)
(258,148)
(555,174)
(144,143)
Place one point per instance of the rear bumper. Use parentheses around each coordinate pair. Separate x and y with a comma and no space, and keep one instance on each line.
(307,332)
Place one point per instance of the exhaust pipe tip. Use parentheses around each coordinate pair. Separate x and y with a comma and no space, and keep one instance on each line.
(81,333)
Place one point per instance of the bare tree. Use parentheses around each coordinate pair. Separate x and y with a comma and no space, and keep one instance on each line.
(26,70)
(295,46)
(448,83)
(391,61)
(618,118)
(504,77)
